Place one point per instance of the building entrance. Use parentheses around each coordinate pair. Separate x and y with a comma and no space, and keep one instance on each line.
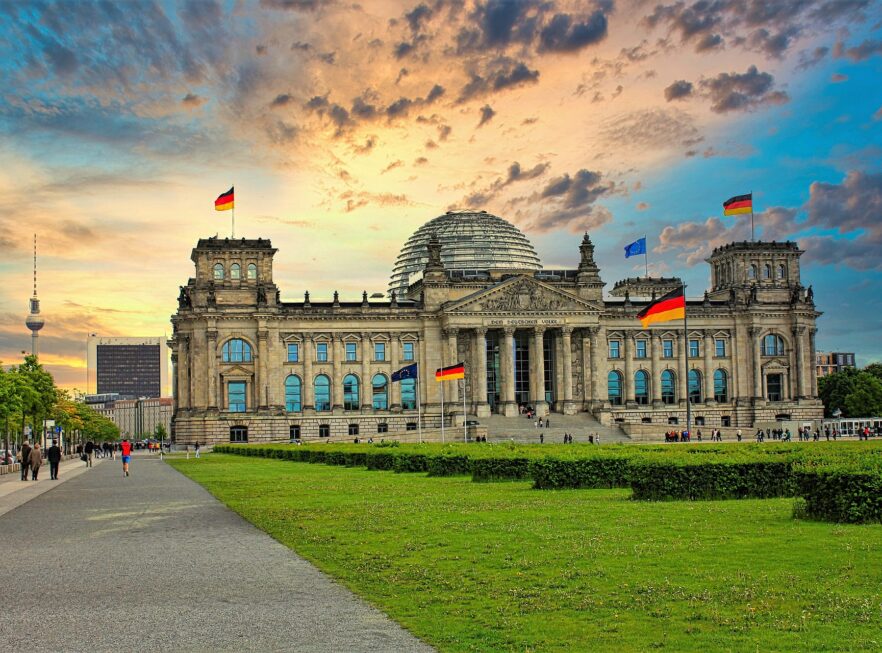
(522,367)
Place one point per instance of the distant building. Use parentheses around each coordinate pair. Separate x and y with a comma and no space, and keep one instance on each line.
(832,362)
(130,367)
(136,418)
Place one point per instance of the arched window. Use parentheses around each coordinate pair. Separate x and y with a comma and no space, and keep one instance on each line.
(322,392)
(773,345)
(236,351)
(782,271)
(614,387)
(292,394)
(381,394)
(767,271)
(350,392)
(694,380)
(235,271)
(721,386)
(408,394)
(219,271)
(641,387)
(668,387)
(252,271)
(751,274)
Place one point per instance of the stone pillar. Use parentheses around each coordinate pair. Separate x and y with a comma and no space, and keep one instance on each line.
(566,337)
(482,408)
(394,389)
(655,382)
(337,356)
(174,389)
(708,366)
(262,381)
(683,372)
(364,388)
(586,397)
(598,356)
(813,368)
(506,365)
(212,369)
(198,367)
(451,388)
(755,346)
(183,397)
(537,371)
(308,380)
(798,363)
(628,382)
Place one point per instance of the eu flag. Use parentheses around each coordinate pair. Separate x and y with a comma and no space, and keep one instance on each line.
(409,372)
(635,248)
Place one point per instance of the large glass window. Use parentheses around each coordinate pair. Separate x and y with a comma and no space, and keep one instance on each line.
(379,351)
(381,391)
(522,368)
(407,351)
(721,386)
(252,271)
(322,392)
(235,271)
(641,387)
(667,348)
(773,345)
(640,348)
(774,386)
(351,351)
(218,271)
(408,394)
(236,396)
(693,349)
(720,344)
(292,394)
(236,351)
(293,352)
(614,388)
(321,352)
(668,387)
(694,380)
(615,348)
(350,392)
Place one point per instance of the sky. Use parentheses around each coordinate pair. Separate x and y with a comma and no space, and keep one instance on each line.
(345,126)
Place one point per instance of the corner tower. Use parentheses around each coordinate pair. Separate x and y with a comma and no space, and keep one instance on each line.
(759,271)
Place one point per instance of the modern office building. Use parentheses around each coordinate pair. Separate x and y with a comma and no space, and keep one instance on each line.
(130,367)
(136,418)
(831,362)
(249,365)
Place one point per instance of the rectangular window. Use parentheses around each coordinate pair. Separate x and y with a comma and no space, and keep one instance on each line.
(667,348)
(641,348)
(353,429)
(774,387)
(351,351)
(408,351)
(293,352)
(294,432)
(720,347)
(614,350)
(238,434)
(693,349)
(236,396)
(382,427)
(321,352)
(411,426)
(379,351)
(324,430)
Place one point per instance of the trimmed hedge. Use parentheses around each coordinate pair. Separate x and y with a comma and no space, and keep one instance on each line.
(712,479)
(444,465)
(500,469)
(851,495)
(409,463)
(601,472)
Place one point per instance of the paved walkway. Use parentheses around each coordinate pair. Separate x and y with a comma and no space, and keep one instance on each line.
(153,562)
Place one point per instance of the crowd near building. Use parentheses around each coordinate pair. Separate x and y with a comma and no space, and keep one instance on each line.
(468,287)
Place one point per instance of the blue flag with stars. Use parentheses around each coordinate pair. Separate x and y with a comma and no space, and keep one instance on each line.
(635,248)
(409,372)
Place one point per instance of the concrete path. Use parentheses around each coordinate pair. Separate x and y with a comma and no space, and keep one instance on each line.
(14,492)
(154,563)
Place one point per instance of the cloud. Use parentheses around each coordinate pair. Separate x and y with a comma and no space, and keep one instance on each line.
(487,114)
(514,174)
(499,74)
(192,101)
(811,58)
(838,78)
(741,91)
(860,52)
(564,34)
(395,164)
(642,206)
(678,90)
(358,199)
(282,100)
(656,128)
(296,5)
(568,202)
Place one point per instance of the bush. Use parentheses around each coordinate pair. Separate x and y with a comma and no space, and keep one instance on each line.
(446,465)
(409,462)
(600,472)
(658,480)
(380,460)
(847,494)
(500,469)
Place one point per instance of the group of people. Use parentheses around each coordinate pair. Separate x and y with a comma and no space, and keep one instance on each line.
(31,458)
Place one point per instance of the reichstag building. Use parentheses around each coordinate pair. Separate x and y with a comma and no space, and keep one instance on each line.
(468,287)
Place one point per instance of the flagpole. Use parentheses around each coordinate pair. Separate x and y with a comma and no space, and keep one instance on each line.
(419,408)
(686,371)
(645,256)
(442,412)
(233,214)
(752,238)
(465,428)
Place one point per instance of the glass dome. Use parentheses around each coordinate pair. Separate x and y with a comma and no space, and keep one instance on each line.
(470,240)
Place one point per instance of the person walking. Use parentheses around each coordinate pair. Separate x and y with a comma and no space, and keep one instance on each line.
(36,460)
(53,454)
(25,460)
(126,450)
(90,450)
(541,437)
(196,446)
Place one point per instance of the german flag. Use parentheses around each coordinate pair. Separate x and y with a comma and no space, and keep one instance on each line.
(450,373)
(738,204)
(224,201)
(670,307)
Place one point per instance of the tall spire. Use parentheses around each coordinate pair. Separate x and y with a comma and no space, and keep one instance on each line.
(35,321)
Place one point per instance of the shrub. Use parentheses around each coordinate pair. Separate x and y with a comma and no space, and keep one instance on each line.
(841,493)
(500,469)
(447,465)
(659,480)
(380,460)
(600,472)
(409,462)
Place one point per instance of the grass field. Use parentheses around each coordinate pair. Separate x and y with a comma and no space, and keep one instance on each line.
(502,567)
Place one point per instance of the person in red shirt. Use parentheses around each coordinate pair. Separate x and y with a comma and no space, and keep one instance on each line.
(126,449)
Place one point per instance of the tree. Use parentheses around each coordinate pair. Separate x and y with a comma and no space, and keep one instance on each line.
(875,369)
(10,400)
(39,393)
(865,400)
(160,433)
(835,388)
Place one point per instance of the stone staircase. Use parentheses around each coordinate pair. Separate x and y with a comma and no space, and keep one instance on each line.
(521,429)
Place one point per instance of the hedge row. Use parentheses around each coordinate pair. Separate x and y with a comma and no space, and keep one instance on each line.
(599,472)
(847,493)
(714,479)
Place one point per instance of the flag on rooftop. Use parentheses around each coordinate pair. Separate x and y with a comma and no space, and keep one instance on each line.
(635,248)
(224,201)
(738,205)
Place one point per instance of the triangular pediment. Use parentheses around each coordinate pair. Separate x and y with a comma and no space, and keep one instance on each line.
(237,371)
(520,295)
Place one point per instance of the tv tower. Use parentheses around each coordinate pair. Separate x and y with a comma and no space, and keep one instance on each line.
(35,322)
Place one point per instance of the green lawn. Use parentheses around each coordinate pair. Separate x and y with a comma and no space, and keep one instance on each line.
(500,566)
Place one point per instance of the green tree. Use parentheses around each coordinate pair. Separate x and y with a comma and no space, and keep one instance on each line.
(10,400)
(160,433)
(835,388)
(875,369)
(38,392)
(865,400)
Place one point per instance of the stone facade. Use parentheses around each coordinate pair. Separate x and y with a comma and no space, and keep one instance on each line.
(247,364)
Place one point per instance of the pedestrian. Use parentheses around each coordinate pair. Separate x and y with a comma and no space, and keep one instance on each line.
(738,435)
(540,422)
(196,446)
(54,456)
(90,450)
(25,460)
(126,449)
(536,424)
(547,423)
(541,437)
(35,457)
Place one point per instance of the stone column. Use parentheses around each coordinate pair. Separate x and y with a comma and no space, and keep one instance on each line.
(212,369)
(308,381)
(755,346)
(262,380)
(813,368)
(537,370)
(798,363)
(506,364)
(337,356)
(393,389)
(365,386)
(655,382)
(183,397)
(598,357)
(174,388)
(482,408)
(198,368)
(566,337)
(708,366)
(586,397)
(628,381)
(683,372)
